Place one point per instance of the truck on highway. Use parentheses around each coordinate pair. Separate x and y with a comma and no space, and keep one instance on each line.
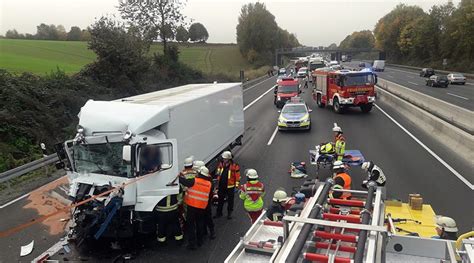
(132,149)
(379,65)
(285,89)
(344,89)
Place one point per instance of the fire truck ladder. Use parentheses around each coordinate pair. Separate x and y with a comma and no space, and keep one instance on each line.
(337,230)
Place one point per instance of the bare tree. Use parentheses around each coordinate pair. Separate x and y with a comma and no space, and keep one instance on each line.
(155,18)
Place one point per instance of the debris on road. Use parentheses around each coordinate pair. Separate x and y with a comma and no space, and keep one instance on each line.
(26,250)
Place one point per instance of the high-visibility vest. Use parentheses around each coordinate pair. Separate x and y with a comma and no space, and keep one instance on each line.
(340,145)
(198,195)
(252,193)
(167,204)
(347,184)
(233,176)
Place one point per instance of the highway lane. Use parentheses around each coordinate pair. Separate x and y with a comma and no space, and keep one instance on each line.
(460,95)
(410,169)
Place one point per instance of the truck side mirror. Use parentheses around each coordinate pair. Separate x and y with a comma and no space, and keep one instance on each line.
(127,153)
(376,79)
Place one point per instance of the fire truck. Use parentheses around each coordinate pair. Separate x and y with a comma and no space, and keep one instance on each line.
(342,89)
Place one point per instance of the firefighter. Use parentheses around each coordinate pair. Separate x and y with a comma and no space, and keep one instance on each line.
(196,199)
(339,143)
(277,209)
(374,173)
(342,180)
(208,222)
(188,171)
(446,228)
(228,176)
(252,193)
(167,215)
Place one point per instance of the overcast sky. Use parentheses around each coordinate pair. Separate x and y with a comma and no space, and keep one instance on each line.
(315,22)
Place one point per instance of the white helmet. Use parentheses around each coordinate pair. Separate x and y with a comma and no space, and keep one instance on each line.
(280,196)
(188,162)
(365,166)
(337,165)
(204,171)
(197,165)
(337,129)
(446,223)
(251,174)
(227,155)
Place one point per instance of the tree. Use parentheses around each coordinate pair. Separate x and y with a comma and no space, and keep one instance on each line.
(12,34)
(358,39)
(86,34)
(121,55)
(333,46)
(61,31)
(154,18)
(74,34)
(182,35)
(198,33)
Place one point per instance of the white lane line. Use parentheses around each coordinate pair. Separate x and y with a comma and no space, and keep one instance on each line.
(390,76)
(251,87)
(14,201)
(416,84)
(461,97)
(273,136)
(411,77)
(469,83)
(464,180)
(257,99)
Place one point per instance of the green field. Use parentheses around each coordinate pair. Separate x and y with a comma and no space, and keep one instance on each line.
(41,57)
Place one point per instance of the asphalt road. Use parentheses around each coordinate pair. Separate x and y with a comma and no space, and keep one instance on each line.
(460,95)
(408,166)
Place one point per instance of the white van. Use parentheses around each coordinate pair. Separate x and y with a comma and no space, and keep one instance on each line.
(379,65)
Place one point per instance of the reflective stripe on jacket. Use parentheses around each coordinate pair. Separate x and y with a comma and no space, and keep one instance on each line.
(340,145)
(347,184)
(198,195)
(167,204)
(233,177)
(252,193)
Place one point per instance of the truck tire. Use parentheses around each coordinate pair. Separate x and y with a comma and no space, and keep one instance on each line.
(366,108)
(319,101)
(338,108)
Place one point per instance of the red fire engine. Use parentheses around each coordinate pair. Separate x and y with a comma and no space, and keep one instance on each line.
(343,89)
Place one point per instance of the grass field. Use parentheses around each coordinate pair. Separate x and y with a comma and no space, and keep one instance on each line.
(41,57)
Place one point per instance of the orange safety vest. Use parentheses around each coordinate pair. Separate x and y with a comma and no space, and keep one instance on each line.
(233,177)
(347,184)
(198,195)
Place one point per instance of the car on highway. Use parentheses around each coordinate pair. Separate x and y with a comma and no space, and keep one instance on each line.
(336,67)
(333,63)
(427,72)
(282,71)
(285,90)
(379,65)
(456,78)
(294,116)
(302,72)
(437,81)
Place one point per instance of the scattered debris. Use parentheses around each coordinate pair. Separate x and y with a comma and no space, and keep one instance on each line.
(26,250)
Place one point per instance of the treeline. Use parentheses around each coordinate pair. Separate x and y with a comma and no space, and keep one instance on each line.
(258,34)
(52,32)
(409,35)
(358,39)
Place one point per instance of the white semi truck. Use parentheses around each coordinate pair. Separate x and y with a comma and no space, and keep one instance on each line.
(140,143)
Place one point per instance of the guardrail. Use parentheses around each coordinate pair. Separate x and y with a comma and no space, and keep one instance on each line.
(467,75)
(29,167)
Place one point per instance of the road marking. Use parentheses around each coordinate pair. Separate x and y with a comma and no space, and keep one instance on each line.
(14,200)
(464,180)
(251,87)
(469,83)
(411,77)
(257,99)
(390,76)
(464,98)
(273,136)
(413,83)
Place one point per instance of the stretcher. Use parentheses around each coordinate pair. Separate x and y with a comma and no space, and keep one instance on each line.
(351,158)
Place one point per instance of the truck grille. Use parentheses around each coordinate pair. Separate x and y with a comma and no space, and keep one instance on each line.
(352,94)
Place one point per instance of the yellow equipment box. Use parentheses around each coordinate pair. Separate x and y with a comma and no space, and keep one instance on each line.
(425,217)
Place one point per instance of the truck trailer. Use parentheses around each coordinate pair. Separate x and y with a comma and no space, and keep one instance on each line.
(133,148)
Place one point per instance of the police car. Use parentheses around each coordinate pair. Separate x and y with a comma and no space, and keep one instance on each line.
(294,116)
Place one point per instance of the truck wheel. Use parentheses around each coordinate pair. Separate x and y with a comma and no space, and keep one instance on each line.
(366,108)
(338,108)
(319,101)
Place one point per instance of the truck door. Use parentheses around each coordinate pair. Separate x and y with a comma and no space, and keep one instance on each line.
(158,163)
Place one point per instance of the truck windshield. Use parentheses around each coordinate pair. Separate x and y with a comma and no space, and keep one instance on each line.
(358,80)
(314,66)
(288,89)
(105,158)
